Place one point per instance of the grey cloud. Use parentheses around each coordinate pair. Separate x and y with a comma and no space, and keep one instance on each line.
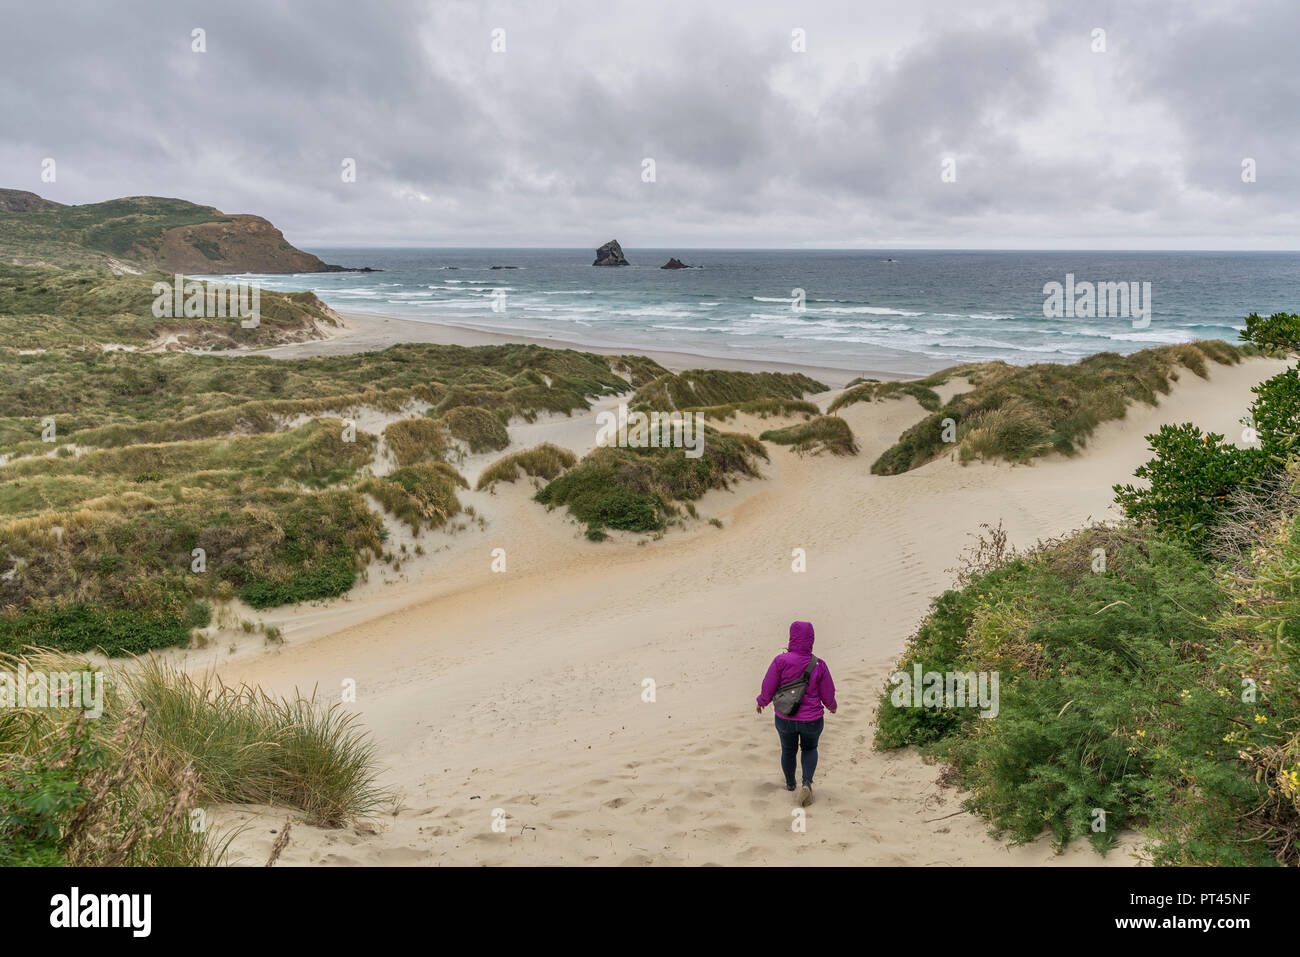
(754,144)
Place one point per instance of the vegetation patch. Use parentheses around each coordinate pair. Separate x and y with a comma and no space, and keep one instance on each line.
(826,433)
(699,388)
(636,490)
(120,789)
(422,496)
(1016,413)
(762,408)
(416,440)
(478,428)
(546,461)
(1147,671)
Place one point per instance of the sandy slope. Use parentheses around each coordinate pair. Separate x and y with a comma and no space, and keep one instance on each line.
(522,690)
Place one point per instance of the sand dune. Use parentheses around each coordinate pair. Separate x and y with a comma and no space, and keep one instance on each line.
(523,691)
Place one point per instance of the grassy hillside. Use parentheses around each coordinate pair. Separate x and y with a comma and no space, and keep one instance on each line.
(46,308)
(139,233)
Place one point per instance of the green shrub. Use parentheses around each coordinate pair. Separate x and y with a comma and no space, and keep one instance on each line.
(1190,477)
(83,626)
(1092,670)
(73,799)
(1275,413)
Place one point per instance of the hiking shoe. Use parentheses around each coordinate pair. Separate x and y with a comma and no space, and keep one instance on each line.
(789,785)
(805,795)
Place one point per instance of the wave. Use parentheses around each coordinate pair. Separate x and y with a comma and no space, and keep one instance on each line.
(864,310)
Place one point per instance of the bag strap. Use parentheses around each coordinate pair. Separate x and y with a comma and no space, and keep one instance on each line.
(805,677)
(812,663)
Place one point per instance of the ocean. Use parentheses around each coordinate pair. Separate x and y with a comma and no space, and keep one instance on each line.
(900,312)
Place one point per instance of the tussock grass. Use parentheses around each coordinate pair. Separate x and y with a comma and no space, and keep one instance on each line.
(762,408)
(416,440)
(636,489)
(698,388)
(546,461)
(874,391)
(119,790)
(248,747)
(422,495)
(826,433)
(1019,412)
(478,428)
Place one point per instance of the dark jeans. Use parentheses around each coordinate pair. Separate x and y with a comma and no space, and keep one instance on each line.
(795,735)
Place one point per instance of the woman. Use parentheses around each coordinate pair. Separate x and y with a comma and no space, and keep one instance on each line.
(801,729)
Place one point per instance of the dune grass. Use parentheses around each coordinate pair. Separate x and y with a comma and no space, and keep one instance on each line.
(416,440)
(1019,412)
(124,789)
(545,461)
(44,308)
(169,396)
(700,388)
(875,391)
(248,747)
(121,575)
(421,495)
(176,482)
(478,428)
(634,489)
(761,408)
(826,433)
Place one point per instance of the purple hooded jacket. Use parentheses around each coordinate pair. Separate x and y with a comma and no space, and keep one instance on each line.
(789,665)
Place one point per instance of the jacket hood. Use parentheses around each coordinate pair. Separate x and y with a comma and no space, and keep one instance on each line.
(801,637)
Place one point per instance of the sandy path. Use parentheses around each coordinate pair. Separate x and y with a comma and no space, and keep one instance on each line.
(522,690)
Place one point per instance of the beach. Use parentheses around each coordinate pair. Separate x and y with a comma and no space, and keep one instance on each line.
(519,696)
(366,332)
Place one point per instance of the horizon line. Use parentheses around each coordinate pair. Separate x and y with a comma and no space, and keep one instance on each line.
(824,249)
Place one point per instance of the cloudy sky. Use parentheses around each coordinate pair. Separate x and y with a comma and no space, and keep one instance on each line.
(753,143)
